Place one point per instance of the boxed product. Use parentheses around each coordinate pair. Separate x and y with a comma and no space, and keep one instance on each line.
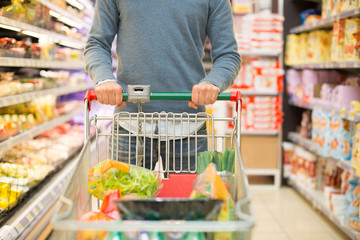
(351,26)
(303,49)
(338,38)
(304,168)
(355,157)
(292,53)
(326,8)
(319,46)
(349,5)
(336,7)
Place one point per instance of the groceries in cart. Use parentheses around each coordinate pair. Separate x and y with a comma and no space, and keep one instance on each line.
(129,179)
(223,162)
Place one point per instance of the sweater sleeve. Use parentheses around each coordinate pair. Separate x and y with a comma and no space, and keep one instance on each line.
(220,30)
(98,47)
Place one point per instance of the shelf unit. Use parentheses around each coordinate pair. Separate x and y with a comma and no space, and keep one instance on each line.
(33,132)
(65,13)
(344,113)
(37,63)
(35,215)
(316,198)
(28,96)
(329,65)
(309,145)
(59,38)
(325,23)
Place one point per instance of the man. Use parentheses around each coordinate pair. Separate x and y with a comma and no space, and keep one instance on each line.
(160,43)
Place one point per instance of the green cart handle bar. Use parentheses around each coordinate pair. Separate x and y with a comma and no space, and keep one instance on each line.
(233,96)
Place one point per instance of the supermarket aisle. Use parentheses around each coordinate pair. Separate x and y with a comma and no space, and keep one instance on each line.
(285,215)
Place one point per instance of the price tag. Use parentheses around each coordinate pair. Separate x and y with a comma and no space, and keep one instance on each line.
(3,102)
(340,164)
(41,205)
(357,64)
(53,192)
(357,10)
(20,227)
(30,217)
(36,211)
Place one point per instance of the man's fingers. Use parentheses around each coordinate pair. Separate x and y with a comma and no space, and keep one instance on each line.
(195,95)
(112,98)
(118,97)
(192,105)
(121,105)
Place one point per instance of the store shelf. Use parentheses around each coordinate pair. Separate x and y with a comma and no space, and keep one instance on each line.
(316,198)
(26,97)
(29,134)
(259,133)
(345,114)
(261,53)
(65,13)
(59,38)
(329,65)
(325,23)
(36,63)
(309,145)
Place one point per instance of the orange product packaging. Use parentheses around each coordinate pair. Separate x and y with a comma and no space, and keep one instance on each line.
(209,184)
(352,26)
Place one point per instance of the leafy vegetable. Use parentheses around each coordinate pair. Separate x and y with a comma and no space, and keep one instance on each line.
(223,162)
(139,181)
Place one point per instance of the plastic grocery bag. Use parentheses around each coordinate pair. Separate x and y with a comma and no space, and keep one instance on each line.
(209,185)
(129,179)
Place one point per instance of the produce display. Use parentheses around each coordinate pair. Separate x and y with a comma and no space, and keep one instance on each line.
(44,50)
(27,164)
(11,84)
(34,13)
(21,117)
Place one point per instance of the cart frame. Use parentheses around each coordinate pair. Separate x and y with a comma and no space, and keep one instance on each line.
(76,198)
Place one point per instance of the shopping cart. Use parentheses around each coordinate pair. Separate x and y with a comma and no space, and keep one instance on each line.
(178,177)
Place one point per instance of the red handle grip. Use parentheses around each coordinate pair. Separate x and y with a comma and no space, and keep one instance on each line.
(91,96)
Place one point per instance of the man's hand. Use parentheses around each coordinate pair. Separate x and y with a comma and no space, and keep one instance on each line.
(110,93)
(203,94)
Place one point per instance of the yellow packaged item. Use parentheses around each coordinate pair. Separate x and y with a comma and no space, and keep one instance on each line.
(209,184)
(326,9)
(336,7)
(303,47)
(292,53)
(10,192)
(130,179)
(349,5)
(352,25)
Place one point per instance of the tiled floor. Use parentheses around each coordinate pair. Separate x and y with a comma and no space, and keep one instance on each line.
(285,215)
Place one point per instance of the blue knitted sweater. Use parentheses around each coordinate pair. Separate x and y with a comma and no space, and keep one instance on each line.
(160,43)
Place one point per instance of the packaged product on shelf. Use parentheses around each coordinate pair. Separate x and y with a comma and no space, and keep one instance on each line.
(336,7)
(303,49)
(351,26)
(288,149)
(305,125)
(319,46)
(337,44)
(348,5)
(355,156)
(292,53)
(326,8)
(343,95)
(304,168)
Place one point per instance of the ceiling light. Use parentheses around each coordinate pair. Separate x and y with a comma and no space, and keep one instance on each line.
(10,28)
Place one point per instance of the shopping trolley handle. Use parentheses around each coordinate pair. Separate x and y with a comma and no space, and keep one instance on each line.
(233,96)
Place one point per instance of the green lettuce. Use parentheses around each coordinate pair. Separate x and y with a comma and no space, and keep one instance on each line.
(139,181)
